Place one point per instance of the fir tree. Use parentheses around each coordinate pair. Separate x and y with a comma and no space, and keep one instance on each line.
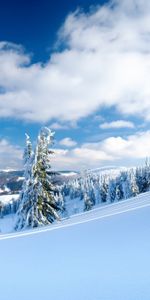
(39,204)
(1,209)
(88,204)
(125,184)
(28,150)
(111,196)
(119,193)
(104,190)
(133,185)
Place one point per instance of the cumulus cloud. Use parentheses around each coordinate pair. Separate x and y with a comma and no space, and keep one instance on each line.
(105,62)
(68,142)
(10,155)
(58,126)
(117,124)
(113,150)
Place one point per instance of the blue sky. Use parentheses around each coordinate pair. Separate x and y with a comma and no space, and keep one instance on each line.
(82,68)
(35,25)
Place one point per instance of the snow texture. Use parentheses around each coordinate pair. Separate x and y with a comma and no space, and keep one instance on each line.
(8,198)
(107,258)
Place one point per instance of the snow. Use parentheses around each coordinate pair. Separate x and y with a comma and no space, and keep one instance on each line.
(110,170)
(7,198)
(7,223)
(8,170)
(5,189)
(103,211)
(20,178)
(68,174)
(101,254)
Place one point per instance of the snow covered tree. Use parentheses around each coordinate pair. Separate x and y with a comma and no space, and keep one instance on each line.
(39,204)
(104,190)
(142,177)
(119,192)
(133,185)
(125,184)
(1,209)
(28,150)
(111,195)
(88,204)
(92,193)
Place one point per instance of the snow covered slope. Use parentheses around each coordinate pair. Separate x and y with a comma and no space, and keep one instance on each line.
(103,254)
(103,211)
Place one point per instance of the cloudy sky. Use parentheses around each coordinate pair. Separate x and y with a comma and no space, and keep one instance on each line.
(82,68)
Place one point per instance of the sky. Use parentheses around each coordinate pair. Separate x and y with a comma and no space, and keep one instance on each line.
(82,68)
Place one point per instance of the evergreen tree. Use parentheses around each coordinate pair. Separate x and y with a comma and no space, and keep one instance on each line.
(39,204)
(119,192)
(1,209)
(111,195)
(92,193)
(138,178)
(28,150)
(104,190)
(125,185)
(88,204)
(133,185)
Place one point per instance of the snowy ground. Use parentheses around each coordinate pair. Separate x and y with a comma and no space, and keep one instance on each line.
(7,198)
(99,212)
(101,255)
(7,222)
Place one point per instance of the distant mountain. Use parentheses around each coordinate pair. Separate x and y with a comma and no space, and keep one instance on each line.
(110,170)
(11,180)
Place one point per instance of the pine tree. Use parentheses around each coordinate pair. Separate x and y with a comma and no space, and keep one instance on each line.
(119,192)
(133,185)
(125,183)
(111,195)
(88,204)
(39,204)
(104,190)
(1,209)
(28,150)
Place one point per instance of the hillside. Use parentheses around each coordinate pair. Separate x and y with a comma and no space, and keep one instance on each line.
(102,211)
(11,181)
(102,254)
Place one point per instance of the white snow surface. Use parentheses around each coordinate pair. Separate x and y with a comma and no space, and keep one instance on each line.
(20,178)
(100,212)
(102,254)
(69,174)
(8,198)
(7,223)
(110,170)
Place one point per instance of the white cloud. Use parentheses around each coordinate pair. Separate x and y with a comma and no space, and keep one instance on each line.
(106,62)
(117,124)
(113,150)
(10,155)
(58,126)
(68,142)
